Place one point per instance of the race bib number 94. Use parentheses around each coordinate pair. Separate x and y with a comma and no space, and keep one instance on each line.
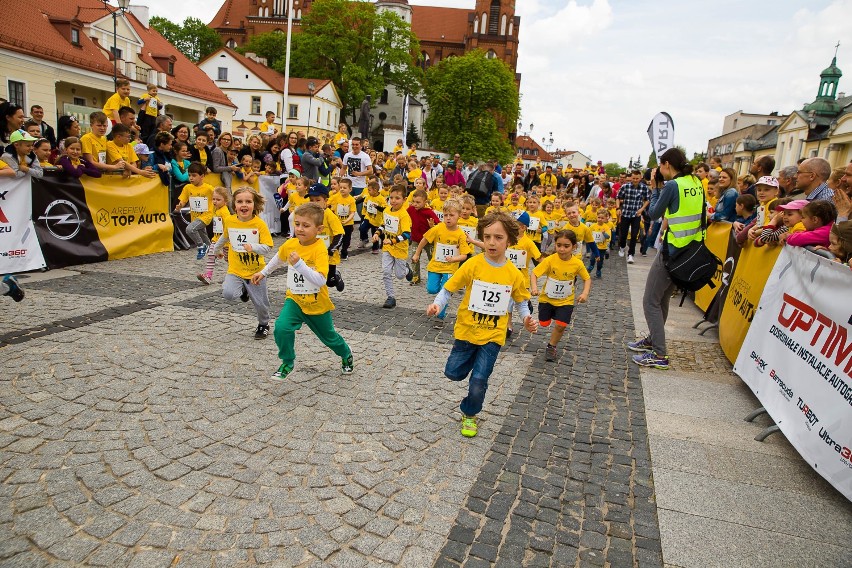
(241,237)
(517,257)
(489,299)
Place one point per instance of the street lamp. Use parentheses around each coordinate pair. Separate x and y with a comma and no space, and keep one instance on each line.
(521,127)
(122,7)
(311,88)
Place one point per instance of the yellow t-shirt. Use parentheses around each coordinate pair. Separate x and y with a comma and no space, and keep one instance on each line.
(438,207)
(396,149)
(490,285)
(797,228)
(390,164)
(114,103)
(315,256)
(294,199)
(343,207)
(494,209)
(266,128)
(114,153)
(602,234)
(546,198)
(535,234)
(414,175)
(394,224)
(584,235)
(153,106)
(446,243)
(547,179)
(340,138)
(331,226)
(469,226)
(560,279)
(202,156)
(94,145)
(522,252)
(3,165)
(590,214)
(200,200)
(370,209)
(613,216)
(241,263)
(512,207)
(218,221)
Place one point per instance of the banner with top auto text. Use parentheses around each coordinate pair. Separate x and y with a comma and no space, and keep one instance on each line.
(797,358)
(19,248)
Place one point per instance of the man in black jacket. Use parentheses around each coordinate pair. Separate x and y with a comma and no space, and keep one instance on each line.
(37,114)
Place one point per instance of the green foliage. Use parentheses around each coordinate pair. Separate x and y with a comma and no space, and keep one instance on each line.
(613,169)
(192,38)
(471,99)
(412,136)
(697,158)
(271,45)
(361,50)
(652,160)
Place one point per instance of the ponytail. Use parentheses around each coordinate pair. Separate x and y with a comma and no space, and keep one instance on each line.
(677,160)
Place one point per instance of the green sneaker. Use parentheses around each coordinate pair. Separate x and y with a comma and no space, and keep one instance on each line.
(347,366)
(282,372)
(468,427)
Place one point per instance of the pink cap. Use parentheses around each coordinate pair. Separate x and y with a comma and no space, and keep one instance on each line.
(768,180)
(793,205)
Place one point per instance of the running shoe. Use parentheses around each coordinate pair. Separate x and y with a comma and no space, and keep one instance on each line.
(347,365)
(438,324)
(389,304)
(651,359)
(262,331)
(621,252)
(364,244)
(202,252)
(15,291)
(415,280)
(282,372)
(508,333)
(629,259)
(204,278)
(550,353)
(590,267)
(338,282)
(410,274)
(598,274)
(641,346)
(468,426)
(376,251)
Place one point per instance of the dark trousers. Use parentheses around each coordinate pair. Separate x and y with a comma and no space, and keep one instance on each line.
(630,224)
(347,240)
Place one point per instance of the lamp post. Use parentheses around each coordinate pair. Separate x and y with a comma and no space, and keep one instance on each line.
(122,7)
(311,88)
(286,110)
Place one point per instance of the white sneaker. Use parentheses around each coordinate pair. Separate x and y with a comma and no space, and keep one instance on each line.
(629,259)
(621,252)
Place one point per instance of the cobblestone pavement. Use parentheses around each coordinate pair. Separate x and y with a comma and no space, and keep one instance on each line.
(138,427)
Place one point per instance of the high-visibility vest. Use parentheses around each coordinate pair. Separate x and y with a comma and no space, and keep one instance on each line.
(685,225)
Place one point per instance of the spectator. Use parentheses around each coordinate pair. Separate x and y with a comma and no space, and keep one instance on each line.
(313,164)
(209,118)
(357,166)
(481,185)
(633,199)
(290,159)
(532,179)
(11,119)
(452,176)
(149,109)
(37,114)
(745,182)
(818,217)
(812,177)
(252,148)
(162,160)
(72,161)
(127,117)
(787,181)
(164,124)
(761,167)
(834,179)
(219,163)
(181,133)
(727,194)
(19,156)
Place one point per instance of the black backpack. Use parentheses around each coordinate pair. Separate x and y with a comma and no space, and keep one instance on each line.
(692,267)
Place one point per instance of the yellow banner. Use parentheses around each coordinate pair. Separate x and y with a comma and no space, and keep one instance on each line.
(718,236)
(753,269)
(131,215)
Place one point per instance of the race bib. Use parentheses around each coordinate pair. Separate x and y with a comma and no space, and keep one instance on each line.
(550,225)
(342,211)
(489,299)
(371,208)
(218,225)
(761,216)
(391,225)
(241,237)
(440,215)
(517,257)
(561,224)
(102,157)
(599,237)
(535,223)
(326,240)
(443,251)
(198,204)
(558,289)
(297,284)
(470,232)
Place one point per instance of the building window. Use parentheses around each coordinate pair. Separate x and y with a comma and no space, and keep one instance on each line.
(318,114)
(231,43)
(171,68)
(17,93)
(384,99)
(328,119)
(116,52)
(79,101)
(294,111)
(75,36)
(255,105)
(222,73)
(494,17)
(491,54)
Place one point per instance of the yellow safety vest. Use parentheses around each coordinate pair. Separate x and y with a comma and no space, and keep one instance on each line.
(685,225)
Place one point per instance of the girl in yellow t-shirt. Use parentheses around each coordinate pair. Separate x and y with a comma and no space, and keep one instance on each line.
(221,210)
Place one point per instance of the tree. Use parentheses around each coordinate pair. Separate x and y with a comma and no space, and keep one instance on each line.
(472,99)
(359,49)
(412,136)
(192,38)
(652,160)
(697,158)
(613,169)
(272,46)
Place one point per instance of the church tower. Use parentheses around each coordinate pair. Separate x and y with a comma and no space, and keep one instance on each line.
(493,28)
(826,99)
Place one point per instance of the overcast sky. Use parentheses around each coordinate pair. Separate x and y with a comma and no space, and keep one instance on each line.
(596,71)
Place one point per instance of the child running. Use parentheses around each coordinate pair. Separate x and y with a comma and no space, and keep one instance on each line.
(250,239)
(307,298)
(330,233)
(450,248)
(490,282)
(199,195)
(221,210)
(602,233)
(394,236)
(343,205)
(556,304)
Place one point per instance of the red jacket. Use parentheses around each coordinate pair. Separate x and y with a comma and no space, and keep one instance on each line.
(420,222)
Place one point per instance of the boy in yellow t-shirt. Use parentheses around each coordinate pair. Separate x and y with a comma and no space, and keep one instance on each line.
(372,211)
(330,233)
(121,98)
(450,247)
(602,234)
(199,195)
(394,236)
(343,205)
(120,151)
(307,299)
(537,220)
(437,204)
(556,304)
(581,230)
(468,220)
(94,144)
(268,127)
(490,282)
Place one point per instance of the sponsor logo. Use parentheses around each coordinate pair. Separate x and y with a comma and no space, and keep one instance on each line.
(126,216)
(810,416)
(758,360)
(17,253)
(844,451)
(62,219)
(786,391)
(102,217)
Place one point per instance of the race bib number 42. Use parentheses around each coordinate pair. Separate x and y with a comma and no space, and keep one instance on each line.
(489,299)
(241,237)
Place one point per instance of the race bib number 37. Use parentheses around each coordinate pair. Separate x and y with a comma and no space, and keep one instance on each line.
(489,299)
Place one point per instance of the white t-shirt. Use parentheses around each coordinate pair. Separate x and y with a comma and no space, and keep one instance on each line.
(357,163)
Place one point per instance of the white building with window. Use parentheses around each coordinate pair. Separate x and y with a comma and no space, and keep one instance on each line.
(313,105)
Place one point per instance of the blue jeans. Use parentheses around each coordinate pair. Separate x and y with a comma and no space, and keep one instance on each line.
(651,236)
(478,361)
(595,254)
(434,282)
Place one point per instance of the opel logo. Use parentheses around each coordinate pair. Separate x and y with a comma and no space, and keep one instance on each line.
(62,219)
